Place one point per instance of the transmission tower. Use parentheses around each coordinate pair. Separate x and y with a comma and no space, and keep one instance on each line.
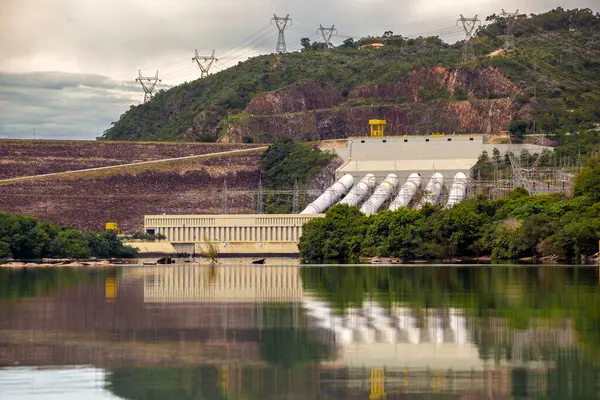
(225,204)
(148,84)
(327,33)
(509,41)
(204,62)
(469,25)
(281,25)
(260,205)
(296,199)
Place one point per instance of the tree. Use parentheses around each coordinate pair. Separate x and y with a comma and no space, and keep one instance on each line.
(518,128)
(349,44)
(587,183)
(305,42)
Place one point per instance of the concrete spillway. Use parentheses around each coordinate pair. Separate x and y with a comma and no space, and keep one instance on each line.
(381,194)
(330,196)
(407,192)
(360,191)
(433,190)
(458,191)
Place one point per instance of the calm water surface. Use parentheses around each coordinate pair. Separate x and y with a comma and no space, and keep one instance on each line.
(289,332)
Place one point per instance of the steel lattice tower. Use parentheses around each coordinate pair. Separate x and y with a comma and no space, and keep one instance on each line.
(509,41)
(327,33)
(469,25)
(260,205)
(225,203)
(206,64)
(148,84)
(281,25)
(296,199)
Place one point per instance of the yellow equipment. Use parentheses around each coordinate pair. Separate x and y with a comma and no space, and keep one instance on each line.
(377,127)
(113,226)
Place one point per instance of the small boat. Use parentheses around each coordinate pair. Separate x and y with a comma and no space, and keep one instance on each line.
(259,261)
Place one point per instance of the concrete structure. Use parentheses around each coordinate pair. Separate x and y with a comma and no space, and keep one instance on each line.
(251,234)
(424,155)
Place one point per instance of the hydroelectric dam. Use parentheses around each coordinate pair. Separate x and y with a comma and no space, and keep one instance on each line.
(378,173)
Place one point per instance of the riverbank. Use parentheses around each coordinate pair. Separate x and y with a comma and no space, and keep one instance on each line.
(139,262)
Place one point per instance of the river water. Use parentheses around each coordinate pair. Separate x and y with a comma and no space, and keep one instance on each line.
(296,332)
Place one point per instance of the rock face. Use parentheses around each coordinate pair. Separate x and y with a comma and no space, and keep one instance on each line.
(480,116)
(315,111)
(296,98)
(477,84)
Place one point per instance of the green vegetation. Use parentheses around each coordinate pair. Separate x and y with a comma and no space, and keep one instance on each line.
(16,284)
(557,65)
(516,227)
(147,236)
(557,62)
(286,164)
(24,237)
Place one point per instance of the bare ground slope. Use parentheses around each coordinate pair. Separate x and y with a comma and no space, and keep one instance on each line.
(126,195)
(36,157)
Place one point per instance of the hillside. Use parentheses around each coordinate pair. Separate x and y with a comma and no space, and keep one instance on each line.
(36,157)
(554,80)
(125,195)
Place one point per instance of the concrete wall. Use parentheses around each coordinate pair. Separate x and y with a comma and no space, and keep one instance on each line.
(427,148)
(231,234)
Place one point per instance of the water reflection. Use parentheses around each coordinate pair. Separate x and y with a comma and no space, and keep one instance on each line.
(277,332)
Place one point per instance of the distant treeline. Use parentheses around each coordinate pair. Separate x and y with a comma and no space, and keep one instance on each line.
(24,237)
(516,227)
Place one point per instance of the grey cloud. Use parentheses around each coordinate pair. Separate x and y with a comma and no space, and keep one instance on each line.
(61,105)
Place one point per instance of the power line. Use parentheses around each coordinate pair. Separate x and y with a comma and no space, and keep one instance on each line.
(281,25)
(240,45)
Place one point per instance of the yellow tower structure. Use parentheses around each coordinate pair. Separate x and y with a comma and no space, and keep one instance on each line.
(377,127)
(113,226)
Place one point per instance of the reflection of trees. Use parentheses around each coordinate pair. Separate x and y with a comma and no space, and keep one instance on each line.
(165,383)
(291,347)
(214,383)
(25,283)
(288,344)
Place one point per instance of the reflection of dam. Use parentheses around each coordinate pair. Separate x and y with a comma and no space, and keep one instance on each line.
(221,284)
(373,336)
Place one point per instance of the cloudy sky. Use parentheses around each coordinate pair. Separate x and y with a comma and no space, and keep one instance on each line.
(67,67)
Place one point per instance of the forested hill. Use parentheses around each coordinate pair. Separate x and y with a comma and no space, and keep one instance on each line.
(556,65)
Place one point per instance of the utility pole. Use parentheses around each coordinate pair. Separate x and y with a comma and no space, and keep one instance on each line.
(327,33)
(509,41)
(148,84)
(224,204)
(296,199)
(469,25)
(281,25)
(206,64)
(260,205)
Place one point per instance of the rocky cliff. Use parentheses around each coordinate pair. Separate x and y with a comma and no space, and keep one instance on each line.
(425,101)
